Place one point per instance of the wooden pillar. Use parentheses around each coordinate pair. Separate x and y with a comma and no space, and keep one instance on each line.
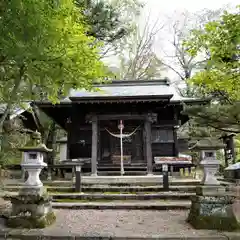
(69,137)
(94,145)
(176,145)
(148,142)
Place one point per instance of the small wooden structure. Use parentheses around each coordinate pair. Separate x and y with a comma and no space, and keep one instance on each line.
(232,172)
(151,112)
(62,148)
(230,155)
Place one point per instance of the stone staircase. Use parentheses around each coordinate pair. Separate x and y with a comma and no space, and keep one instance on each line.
(126,192)
(115,170)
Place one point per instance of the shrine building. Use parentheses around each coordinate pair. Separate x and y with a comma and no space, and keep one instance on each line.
(148,113)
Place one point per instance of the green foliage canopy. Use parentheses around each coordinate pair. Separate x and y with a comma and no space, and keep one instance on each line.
(220,41)
(44,49)
(103,20)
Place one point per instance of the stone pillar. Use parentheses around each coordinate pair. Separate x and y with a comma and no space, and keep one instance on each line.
(73,174)
(148,142)
(94,145)
(171,170)
(63,151)
(49,174)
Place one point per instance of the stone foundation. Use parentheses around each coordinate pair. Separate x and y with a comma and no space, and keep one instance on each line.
(31,211)
(31,222)
(213,212)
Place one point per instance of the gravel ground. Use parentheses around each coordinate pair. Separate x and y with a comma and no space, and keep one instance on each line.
(122,223)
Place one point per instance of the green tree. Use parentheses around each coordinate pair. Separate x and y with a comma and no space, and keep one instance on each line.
(103,19)
(14,137)
(220,40)
(179,61)
(44,51)
(109,21)
(220,116)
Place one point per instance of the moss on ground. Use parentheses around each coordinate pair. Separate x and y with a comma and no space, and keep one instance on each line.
(107,193)
(31,222)
(120,192)
(214,222)
(67,200)
(209,221)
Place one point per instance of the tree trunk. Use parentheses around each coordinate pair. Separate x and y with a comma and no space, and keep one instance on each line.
(9,104)
(51,143)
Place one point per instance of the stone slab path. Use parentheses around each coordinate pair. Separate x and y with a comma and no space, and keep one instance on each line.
(119,224)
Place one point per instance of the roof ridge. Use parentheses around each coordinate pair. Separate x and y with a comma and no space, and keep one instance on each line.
(164,81)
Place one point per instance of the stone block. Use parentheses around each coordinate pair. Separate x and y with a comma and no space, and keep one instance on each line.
(30,221)
(210,190)
(30,211)
(213,212)
(31,191)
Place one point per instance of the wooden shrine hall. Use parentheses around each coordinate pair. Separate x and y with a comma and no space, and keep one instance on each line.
(124,121)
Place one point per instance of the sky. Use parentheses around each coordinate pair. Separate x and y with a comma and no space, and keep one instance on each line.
(161,10)
(169,6)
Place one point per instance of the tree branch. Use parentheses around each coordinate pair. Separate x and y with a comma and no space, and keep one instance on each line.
(17,83)
(173,69)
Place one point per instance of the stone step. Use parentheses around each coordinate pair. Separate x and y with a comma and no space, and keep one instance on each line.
(123,196)
(118,173)
(124,205)
(106,188)
(137,180)
(109,196)
(148,180)
(117,167)
(117,181)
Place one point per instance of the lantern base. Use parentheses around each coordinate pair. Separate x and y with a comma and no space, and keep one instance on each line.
(213,210)
(31,211)
(33,190)
(31,222)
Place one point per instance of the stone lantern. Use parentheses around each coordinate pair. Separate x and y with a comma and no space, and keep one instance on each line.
(208,159)
(33,163)
(212,207)
(32,208)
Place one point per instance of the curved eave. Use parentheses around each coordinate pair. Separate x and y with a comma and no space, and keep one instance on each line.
(48,103)
(120,99)
(190,101)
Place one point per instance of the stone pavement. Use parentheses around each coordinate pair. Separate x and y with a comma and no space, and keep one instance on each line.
(118,224)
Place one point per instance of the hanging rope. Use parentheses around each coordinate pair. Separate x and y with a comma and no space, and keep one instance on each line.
(123,135)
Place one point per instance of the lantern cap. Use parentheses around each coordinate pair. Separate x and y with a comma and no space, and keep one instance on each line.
(35,145)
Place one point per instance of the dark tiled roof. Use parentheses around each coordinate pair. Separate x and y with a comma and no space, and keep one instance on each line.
(121,89)
(16,110)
